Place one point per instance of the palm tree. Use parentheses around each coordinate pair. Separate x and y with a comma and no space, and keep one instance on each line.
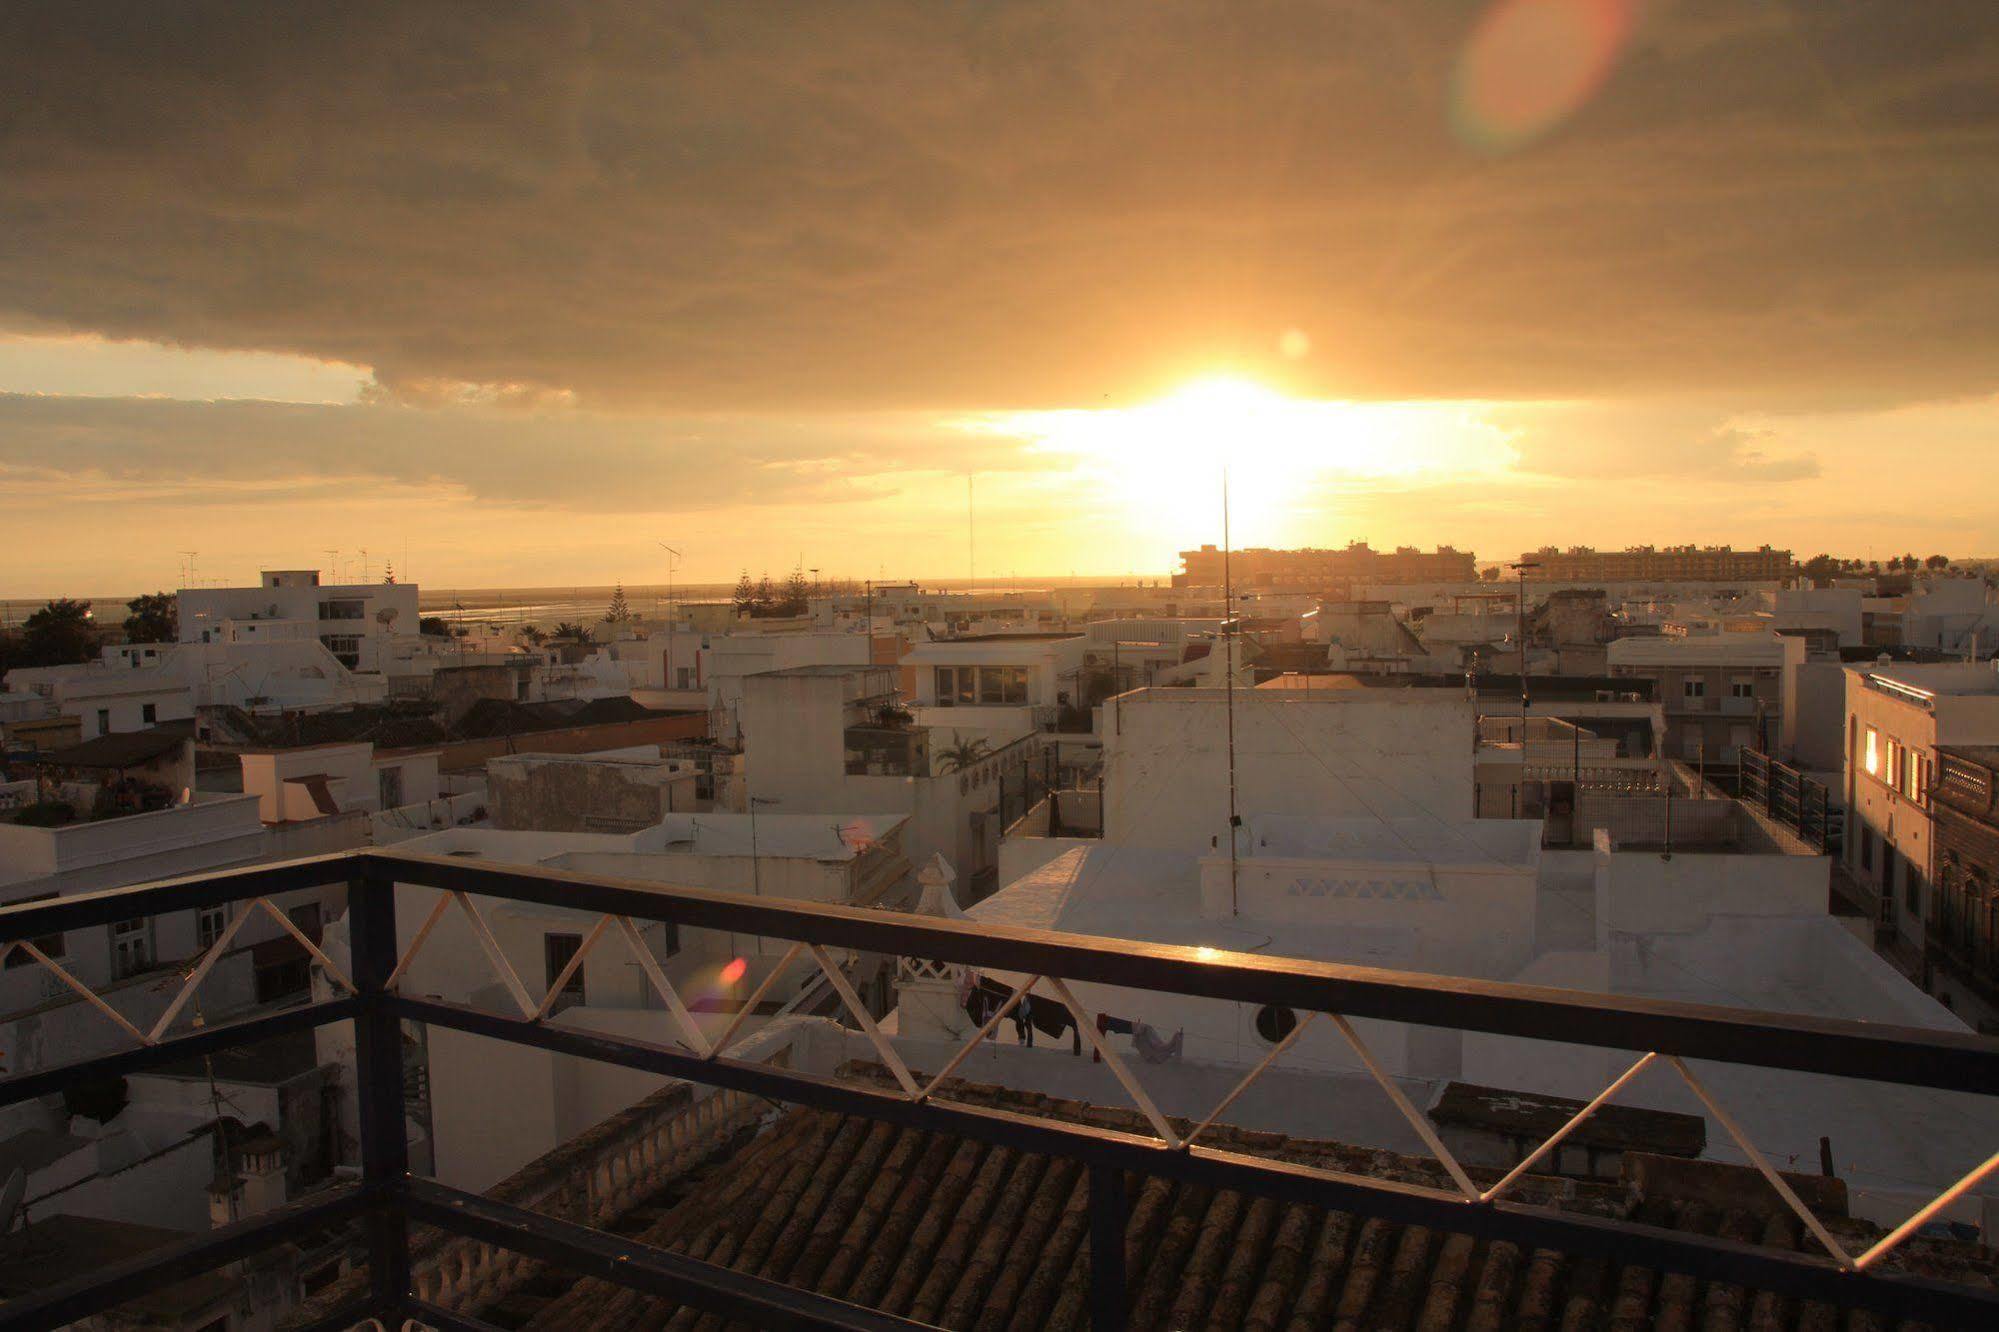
(533,635)
(565,632)
(961,754)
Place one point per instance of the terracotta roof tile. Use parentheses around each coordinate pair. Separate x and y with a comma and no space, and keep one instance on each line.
(968,1236)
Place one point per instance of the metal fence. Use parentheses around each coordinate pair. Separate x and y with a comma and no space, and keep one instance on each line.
(387,1199)
(1800,803)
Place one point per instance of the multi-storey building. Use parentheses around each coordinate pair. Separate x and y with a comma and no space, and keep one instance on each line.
(1897,718)
(1721,692)
(356,622)
(1964,929)
(1323,570)
(1583,564)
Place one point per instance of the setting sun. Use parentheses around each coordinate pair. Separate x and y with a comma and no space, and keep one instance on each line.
(1164,460)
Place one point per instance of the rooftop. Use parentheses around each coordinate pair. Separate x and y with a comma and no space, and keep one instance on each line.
(791,836)
(954,1233)
(56,1249)
(120,749)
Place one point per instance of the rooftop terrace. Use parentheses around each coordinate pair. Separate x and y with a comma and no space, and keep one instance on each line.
(1125,1219)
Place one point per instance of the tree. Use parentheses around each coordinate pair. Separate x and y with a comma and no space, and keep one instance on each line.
(620,610)
(1937,562)
(59,634)
(389,574)
(436,626)
(766,598)
(1489,574)
(565,632)
(746,595)
(1821,569)
(533,635)
(155,618)
(961,754)
(797,593)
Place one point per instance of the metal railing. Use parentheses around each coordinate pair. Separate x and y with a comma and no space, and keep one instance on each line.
(388,1200)
(1787,795)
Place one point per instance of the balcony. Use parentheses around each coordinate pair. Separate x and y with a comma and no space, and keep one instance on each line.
(429,1247)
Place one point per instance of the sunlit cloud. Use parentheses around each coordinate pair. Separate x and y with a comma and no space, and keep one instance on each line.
(87,366)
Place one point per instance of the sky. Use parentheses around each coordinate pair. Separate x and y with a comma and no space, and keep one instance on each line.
(510,294)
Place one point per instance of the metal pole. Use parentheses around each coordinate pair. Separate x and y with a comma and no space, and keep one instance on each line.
(1107,1227)
(1668,854)
(378,1068)
(1117,688)
(1228,690)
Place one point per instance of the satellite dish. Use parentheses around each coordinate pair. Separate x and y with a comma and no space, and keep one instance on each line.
(10,1199)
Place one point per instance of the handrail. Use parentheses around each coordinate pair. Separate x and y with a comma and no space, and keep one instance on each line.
(1659,1028)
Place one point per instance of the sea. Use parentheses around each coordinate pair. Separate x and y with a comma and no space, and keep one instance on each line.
(548,606)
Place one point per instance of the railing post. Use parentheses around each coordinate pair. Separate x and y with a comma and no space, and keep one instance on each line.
(378,1068)
(1107,1225)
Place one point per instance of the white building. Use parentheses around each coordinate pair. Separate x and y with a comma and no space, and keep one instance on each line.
(852,858)
(1357,846)
(355,622)
(998,687)
(311,782)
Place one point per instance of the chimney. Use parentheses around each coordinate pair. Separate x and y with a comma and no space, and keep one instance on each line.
(257,1186)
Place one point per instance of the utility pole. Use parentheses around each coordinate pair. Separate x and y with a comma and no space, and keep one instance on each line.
(1228,693)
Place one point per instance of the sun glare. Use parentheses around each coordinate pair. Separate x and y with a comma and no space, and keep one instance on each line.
(1286,459)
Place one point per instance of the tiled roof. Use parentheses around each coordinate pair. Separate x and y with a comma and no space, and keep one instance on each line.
(121,749)
(963,1235)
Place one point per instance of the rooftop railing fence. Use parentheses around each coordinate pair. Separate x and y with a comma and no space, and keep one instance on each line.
(387,1199)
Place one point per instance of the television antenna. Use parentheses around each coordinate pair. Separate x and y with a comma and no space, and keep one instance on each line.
(672,607)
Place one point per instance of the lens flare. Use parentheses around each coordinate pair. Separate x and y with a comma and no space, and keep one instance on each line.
(733,969)
(1531,64)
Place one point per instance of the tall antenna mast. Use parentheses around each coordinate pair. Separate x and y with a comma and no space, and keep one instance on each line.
(1228,692)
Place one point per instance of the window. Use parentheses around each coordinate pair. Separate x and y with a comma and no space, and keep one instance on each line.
(131,946)
(389,784)
(557,949)
(345,647)
(1741,688)
(104,721)
(1274,1023)
(50,944)
(1866,847)
(209,923)
(1912,889)
(947,686)
(1003,684)
(1873,760)
(149,713)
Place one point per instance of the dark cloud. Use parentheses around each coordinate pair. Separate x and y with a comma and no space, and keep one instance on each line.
(215,452)
(931,204)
